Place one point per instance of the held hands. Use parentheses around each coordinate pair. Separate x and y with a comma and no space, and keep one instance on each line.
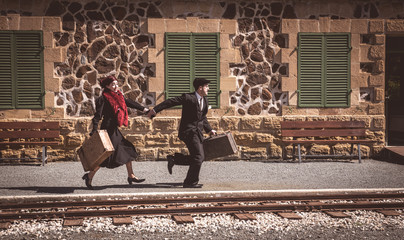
(151,114)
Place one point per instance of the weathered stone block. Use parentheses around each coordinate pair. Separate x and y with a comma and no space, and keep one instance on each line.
(48,112)
(157,139)
(394,25)
(359,26)
(307,25)
(379,67)
(290,26)
(250,123)
(379,39)
(228,26)
(136,139)
(379,94)
(325,23)
(340,25)
(254,153)
(228,83)
(73,140)
(147,154)
(82,126)
(156,25)
(52,24)
(244,139)
(53,55)
(165,124)
(364,53)
(52,84)
(214,123)
(376,80)
(376,52)
(359,80)
(155,55)
(15,113)
(319,149)
(379,123)
(229,55)
(263,138)
(156,84)
(376,26)
(274,151)
(13,21)
(376,109)
(230,123)
(48,39)
(3,23)
(176,25)
(175,141)
(31,23)
(140,124)
(289,84)
(164,152)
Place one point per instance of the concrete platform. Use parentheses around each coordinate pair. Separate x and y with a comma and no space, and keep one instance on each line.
(63,179)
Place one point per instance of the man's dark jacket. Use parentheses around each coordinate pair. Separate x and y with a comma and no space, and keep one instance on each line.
(193,120)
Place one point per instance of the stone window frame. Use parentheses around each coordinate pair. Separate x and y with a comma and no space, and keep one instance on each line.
(52,54)
(228,53)
(361,53)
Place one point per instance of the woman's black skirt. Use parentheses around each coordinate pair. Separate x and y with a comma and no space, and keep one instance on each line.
(124,150)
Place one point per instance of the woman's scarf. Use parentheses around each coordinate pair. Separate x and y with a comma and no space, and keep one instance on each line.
(118,104)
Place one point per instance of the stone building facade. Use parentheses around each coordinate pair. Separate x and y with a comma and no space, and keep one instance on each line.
(87,40)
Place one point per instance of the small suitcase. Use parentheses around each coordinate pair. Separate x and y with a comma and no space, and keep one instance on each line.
(221,145)
(95,150)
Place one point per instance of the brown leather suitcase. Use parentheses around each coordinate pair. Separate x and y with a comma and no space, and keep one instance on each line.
(221,145)
(95,150)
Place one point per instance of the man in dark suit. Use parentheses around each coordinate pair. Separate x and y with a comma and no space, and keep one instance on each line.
(193,122)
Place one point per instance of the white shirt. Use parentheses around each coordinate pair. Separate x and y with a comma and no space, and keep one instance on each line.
(199,97)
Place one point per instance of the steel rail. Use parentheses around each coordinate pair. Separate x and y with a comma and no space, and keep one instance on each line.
(183,200)
(264,207)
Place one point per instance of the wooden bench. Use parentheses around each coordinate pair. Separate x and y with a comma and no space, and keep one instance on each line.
(29,134)
(324,133)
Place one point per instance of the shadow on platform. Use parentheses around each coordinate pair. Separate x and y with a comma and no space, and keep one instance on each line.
(67,190)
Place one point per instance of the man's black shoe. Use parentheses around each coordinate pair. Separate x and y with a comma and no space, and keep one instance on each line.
(170,163)
(193,186)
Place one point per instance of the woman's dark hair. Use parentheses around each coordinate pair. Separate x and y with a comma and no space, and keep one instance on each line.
(106,81)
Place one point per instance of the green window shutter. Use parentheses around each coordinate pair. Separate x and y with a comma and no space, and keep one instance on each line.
(207,58)
(6,83)
(338,61)
(178,63)
(21,70)
(324,70)
(310,70)
(29,73)
(191,55)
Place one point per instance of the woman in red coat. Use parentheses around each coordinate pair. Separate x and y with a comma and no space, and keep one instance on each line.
(111,107)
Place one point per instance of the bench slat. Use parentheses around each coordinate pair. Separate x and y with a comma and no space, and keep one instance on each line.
(30,134)
(29,125)
(364,141)
(322,124)
(28,143)
(323,133)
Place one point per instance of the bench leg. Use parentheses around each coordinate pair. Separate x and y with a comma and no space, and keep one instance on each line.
(44,155)
(351,153)
(293,152)
(359,152)
(300,154)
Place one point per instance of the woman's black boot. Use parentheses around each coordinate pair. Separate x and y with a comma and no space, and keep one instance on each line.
(87,179)
(135,179)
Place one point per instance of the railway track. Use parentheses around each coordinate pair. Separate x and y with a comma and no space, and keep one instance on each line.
(182,208)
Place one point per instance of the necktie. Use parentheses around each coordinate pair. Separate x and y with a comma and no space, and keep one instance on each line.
(201,103)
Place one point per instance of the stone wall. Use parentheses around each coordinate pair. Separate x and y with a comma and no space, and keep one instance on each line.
(93,39)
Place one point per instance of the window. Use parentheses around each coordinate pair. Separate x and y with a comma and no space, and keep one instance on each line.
(191,55)
(21,70)
(324,70)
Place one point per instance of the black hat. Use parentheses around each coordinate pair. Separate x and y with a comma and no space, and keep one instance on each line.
(106,81)
(200,82)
